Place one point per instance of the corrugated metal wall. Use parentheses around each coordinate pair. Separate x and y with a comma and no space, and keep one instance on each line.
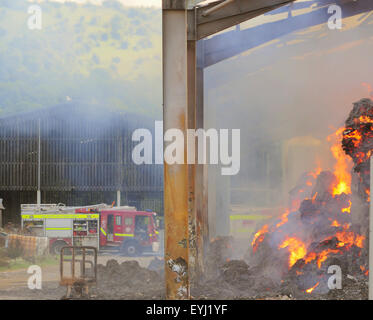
(84,149)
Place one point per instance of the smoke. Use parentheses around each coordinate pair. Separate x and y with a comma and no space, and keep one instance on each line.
(286,93)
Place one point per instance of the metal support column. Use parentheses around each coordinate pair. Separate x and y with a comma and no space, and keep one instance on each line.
(38,192)
(370,281)
(191,122)
(202,234)
(175,110)
(1,212)
(118,198)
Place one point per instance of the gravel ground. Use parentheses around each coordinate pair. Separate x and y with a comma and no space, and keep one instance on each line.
(13,284)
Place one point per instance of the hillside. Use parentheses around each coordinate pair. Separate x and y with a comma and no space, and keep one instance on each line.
(109,55)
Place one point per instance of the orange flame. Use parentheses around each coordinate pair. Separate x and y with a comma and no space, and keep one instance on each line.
(259,237)
(341,170)
(348,239)
(313,288)
(284,218)
(366,272)
(323,255)
(335,223)
(296,248)
(316,172)
(347,209)
(355,136)
(311,256)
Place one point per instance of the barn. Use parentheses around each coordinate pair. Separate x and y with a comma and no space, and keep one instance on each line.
(78,154)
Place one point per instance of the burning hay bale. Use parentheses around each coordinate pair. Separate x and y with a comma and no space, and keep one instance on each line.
(313,238)
(328,228)
(358,144)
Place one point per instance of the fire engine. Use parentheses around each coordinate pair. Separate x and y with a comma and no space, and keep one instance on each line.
(101,226)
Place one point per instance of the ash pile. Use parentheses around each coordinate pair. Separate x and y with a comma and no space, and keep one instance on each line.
(227,276)
(128,281)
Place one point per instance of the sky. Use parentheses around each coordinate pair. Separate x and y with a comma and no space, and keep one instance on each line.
(128,3)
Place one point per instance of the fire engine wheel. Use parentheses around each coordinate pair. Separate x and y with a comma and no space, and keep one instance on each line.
(131,249)
(57,246)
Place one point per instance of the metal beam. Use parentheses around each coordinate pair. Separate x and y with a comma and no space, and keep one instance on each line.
(180,4)
(175,110)
(174,4)
(210,21)
(231,43)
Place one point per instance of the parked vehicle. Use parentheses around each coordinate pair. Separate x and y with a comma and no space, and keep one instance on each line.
(100,226)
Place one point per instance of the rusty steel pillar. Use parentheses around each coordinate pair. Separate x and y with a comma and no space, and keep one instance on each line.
(175,113)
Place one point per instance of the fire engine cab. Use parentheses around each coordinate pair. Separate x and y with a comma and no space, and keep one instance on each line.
(131,231)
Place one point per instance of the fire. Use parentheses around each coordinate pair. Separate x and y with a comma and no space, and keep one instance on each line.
(341,239)
(347,209)
(361,156)
(296,248)
(367,191)
(341,168)
(310,257)
(365,119)
(335,223)
(259,237)
(284,219)
(315,173)
(323,255)
(313,288)
(366,272)
(355,136)
(319,257)
(348,239)
(314,197)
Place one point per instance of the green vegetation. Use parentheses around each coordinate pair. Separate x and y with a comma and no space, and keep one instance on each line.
(109,55)
(21,263)
(9,260)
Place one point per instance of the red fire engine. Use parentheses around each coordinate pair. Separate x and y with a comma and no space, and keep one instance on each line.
(131,231)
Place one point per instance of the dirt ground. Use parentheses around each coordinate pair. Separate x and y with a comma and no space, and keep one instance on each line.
(13,284)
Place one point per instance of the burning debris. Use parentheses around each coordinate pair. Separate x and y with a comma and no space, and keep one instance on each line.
(326,223)
(358,144)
